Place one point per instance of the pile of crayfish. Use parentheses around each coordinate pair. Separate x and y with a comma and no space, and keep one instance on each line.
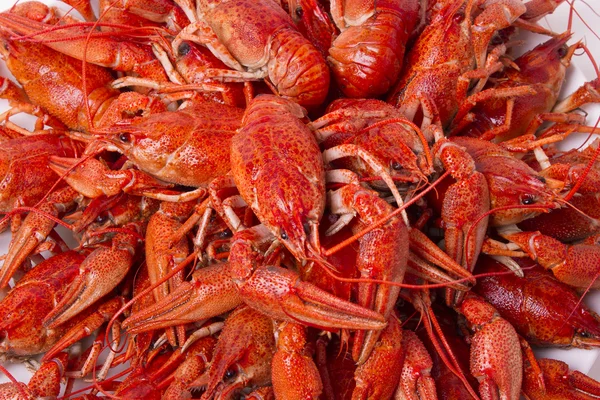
(295,199)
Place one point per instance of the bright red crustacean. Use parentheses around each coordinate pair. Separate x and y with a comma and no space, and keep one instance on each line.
(366,57)
(497,117)
(529,303)
(275,154)
(250,253)
(259,40)
(24,334)
(440,66)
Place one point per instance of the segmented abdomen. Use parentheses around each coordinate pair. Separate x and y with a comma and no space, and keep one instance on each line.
(297,70)
(366,60)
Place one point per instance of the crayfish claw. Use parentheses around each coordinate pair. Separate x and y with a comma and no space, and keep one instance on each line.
(34,230)
(210,293)
(280,294)
(559,381)
(99,273)
(23,244)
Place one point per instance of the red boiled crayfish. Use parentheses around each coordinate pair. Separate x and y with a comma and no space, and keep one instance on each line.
(224,26)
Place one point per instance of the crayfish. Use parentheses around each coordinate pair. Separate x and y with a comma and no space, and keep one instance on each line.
(303,199)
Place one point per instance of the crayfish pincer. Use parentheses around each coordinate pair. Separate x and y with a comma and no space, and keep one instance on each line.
(22,334)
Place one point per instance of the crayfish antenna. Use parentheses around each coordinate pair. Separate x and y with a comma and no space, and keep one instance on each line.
(587,170)
(422,303)
(573,11)
(20,388)
(574,310)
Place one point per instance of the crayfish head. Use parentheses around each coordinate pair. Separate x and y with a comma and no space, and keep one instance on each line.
(133,118)
(296,229)
(242,356)
(547,63)
(10,50)
(587,338)
(294,237)
(514,184)
(4,48)
(120,139)
(292,208)
(21,333)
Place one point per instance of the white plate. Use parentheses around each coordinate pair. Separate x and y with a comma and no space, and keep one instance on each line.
(586,361)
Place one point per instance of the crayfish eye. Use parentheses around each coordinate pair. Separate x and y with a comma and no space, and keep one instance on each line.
(101,218)
(125,137)
(306,227)
(562,51)
(229,374)
(299,12)
(396,166)
(284,235)
(183,49)
(496,40)
(527,199)
(458,17)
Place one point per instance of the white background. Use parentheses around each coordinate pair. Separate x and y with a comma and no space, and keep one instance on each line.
(586,361)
